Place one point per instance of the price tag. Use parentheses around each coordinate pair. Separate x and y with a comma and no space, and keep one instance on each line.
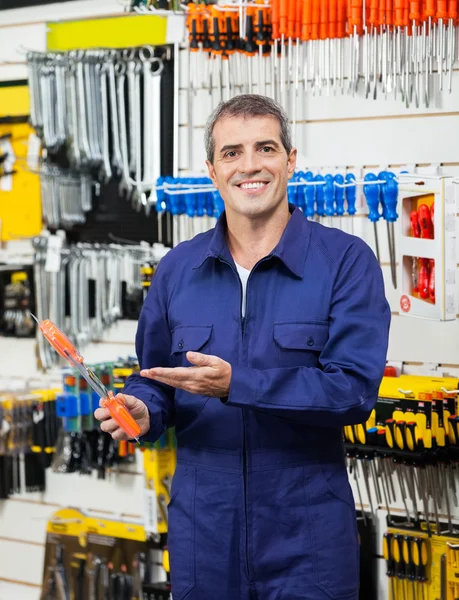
(33,151)
(150,511)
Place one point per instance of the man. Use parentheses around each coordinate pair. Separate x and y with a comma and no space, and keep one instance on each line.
(259,340)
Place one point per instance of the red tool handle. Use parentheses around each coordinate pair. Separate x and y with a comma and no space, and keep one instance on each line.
(323,31)
(423,279)
(416,229)
(432,281)
(431,8)
(425,221)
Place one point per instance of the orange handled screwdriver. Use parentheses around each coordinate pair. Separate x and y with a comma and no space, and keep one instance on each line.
(64,347)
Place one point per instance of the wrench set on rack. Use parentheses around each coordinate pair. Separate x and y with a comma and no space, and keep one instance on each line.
(85,288)
(102,108)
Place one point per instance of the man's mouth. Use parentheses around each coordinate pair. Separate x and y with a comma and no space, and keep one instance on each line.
(253,185)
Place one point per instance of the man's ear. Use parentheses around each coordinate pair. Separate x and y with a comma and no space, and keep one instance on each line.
(291,162)
(210,168)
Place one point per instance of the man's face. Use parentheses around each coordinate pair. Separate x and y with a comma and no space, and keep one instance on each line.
(251,167)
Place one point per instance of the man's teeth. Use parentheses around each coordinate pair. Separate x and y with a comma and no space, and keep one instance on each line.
(253,185)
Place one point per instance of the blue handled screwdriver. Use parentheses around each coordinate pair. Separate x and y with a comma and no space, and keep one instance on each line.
(372,196)
(310,195)
(339,197)
(389,202)
(351,197)
(329,194)
(320,196)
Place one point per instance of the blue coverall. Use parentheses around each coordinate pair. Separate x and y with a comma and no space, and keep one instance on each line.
(261,506)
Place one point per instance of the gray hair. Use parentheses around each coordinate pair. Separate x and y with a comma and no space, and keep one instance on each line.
(248,105)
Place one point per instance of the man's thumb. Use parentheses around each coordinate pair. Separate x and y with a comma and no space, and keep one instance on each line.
(129,402)
(198,359)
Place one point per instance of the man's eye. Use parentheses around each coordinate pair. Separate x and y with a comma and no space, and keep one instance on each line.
(230,154)
(266,149)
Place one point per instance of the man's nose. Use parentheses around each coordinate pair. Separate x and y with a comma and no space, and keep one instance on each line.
(251,162)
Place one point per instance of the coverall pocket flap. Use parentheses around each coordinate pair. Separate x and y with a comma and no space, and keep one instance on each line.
(190,338)
(301,336)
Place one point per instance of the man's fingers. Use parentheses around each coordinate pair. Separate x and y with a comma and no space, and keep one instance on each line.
(109,426)
(102,414)
(176,374)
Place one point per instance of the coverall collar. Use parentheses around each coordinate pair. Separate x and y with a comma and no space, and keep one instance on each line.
(291,249)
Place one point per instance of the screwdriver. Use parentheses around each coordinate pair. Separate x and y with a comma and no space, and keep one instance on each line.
(419,553)
(320,200)
(351,197)
(389,201)
(64,347)
(398,559)
(372,196)
(409,564)
(387,553)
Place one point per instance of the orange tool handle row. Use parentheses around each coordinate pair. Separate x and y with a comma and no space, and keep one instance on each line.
(307,20)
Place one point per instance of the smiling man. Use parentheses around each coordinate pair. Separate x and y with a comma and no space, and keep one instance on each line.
(259,340)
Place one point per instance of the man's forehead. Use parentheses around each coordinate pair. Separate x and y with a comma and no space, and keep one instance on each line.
(251,130)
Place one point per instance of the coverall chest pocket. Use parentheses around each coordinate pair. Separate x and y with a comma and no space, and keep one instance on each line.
(189,338)
(300,344)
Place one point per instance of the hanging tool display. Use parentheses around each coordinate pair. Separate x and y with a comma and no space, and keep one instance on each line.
(28,432)
(195,204)
(103,109)
(85,288)
(103,559)
(82,447)
(407,451)
(400,50)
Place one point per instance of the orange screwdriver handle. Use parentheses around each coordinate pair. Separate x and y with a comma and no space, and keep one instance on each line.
(389,13)
(442,9)
(452,9)
(306,21)
(59,341)
(332,18)
(315,18)
(283,17)
(298,17)
(275,16)
(373,16)
(291,18)
(415,11)
(121,415)
(342,18)
(355,17)
(323,31)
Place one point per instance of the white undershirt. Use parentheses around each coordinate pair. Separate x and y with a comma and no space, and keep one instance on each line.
(243,275)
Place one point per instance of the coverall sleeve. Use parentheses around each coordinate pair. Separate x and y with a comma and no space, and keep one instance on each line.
(153,343)
(344,389)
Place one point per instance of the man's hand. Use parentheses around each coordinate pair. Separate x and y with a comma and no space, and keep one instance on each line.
(137,409)
(210,377)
